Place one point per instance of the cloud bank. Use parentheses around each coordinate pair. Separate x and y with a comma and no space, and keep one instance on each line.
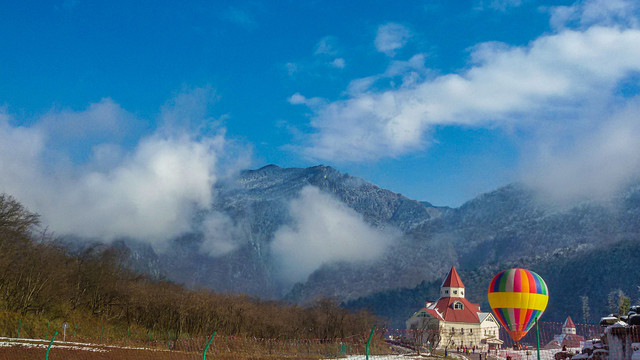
(555,73)
(149,191)
(324,230)
(221,234)
(612,13)
(568,81)
(599,163)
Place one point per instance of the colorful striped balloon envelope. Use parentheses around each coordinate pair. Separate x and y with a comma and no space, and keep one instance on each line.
(517,297)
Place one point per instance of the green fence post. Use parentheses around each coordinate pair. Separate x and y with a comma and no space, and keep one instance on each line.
(187,342)
(373,329)
(19,324)
(46,357)
(538,338)
(169,340)
(127,342)
(47,336)
(75,329)
(204,354)
(149,334)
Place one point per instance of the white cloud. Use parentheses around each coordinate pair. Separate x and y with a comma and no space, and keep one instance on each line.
(600,161)
(149,192)
(500,5)
(326,46)
(292,68)
(298,99)
(151,195)
(338,63)
(103,120)
(398,72)
(553,75)
(221,234)
(616,13)
(390,37)
(188,110)
(327,51)
(556,94)
(323,231)
(20,152)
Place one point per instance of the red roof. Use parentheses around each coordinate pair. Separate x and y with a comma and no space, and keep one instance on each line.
(433,313)
(444,308)
(571,340)
(453,279)
(569,323)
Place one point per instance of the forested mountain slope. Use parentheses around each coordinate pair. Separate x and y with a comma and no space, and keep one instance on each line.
(510,226)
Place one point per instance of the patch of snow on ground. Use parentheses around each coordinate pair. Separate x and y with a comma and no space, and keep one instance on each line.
(383,357)
(39,344)
(531,354)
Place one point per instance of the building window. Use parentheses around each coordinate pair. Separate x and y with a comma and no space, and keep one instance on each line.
(458,306)
(446,291)
(461,292)
(455,292)
(461,331)
(470,331)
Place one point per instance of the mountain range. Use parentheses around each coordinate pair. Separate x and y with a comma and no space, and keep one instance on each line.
(587,251)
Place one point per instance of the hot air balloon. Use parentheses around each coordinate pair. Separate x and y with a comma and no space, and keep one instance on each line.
(517,297)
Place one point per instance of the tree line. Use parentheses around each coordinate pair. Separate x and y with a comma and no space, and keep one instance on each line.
(42,277)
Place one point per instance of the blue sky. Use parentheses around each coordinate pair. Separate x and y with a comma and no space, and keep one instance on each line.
(437,100)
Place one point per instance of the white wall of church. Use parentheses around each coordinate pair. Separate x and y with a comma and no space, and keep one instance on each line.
(461,335)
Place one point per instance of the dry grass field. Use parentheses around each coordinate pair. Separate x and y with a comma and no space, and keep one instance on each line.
(30,353)
(228,349)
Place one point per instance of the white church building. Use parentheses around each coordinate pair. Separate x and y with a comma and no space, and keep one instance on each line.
(459,322)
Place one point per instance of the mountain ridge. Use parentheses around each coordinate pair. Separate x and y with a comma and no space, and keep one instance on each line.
(506,226)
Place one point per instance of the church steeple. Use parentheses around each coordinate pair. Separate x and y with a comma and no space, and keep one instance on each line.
(569,327)
(452,285)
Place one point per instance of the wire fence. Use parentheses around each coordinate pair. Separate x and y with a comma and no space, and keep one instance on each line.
(587,341)
(224,347)
(92,342)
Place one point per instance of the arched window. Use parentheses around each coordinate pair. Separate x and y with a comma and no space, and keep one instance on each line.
(458,306)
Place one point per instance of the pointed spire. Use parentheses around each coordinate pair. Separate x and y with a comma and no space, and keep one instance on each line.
(569,327)
(569,323)
(453,279)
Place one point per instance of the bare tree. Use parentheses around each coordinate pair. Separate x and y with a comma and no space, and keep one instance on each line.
(585,309)
(15,217)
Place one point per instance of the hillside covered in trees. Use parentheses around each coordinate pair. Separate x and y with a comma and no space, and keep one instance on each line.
(42,278)
(585,285)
